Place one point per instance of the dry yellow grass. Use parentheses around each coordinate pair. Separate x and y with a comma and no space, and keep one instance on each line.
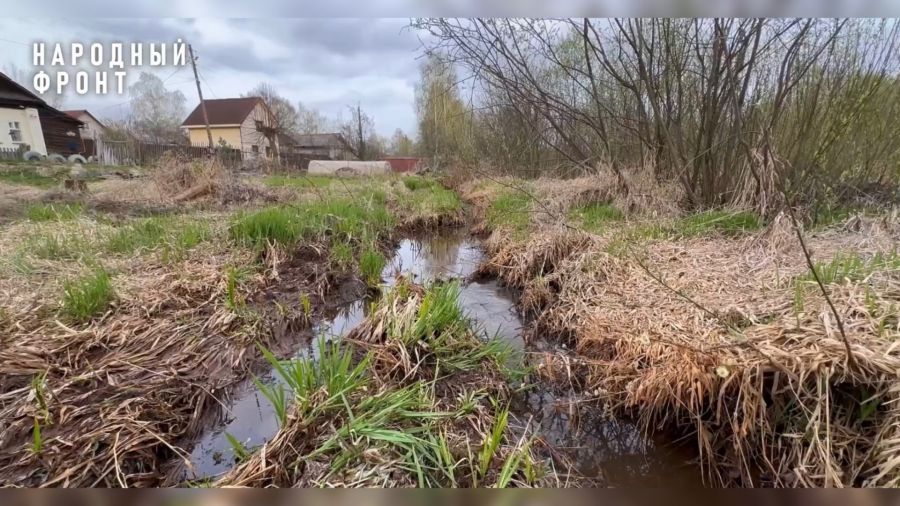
(707,334)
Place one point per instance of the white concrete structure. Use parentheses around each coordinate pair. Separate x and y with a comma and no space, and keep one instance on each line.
(341,168)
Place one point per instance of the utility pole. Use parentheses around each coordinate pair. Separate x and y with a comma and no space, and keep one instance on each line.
(362,142)
(200,94)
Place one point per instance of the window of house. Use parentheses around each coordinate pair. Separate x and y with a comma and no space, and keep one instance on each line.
(254,148)
(268,150)
(15,132)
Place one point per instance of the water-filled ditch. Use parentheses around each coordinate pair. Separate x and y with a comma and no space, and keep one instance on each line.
(603,449)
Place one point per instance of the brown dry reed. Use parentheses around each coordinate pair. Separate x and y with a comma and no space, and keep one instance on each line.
(724,338)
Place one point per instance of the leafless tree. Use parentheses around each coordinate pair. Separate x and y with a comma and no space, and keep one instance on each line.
(730,108)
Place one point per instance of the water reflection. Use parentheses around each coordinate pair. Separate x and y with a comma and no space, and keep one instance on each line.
(610,450)
(437,257)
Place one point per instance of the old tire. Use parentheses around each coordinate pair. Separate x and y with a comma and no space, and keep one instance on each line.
(32,156)
(77,159)
(56,158)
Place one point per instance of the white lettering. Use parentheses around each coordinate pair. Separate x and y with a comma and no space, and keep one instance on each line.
(37,55)
(120,81)
(100,84)
(58,58)
(41,82)
(77,52)
(137,54)
(157,58)
(81,82)
(62,79)
(178,53)
(96,54)
(115,58)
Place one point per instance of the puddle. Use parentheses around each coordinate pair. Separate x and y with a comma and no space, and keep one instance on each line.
(607,450)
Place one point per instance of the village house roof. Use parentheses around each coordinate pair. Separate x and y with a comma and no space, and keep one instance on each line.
(223,111)
(12,93)
(75,113)
(328,140)
(15,95)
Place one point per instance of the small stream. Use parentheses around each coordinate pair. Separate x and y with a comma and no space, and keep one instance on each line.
(605,450)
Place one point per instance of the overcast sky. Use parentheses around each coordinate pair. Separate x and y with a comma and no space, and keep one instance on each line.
(325,63)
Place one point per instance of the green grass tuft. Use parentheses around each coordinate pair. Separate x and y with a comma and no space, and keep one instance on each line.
(729,223)
(37,441)
(416,183)
(371,263)
(594,217)
(145,234)
(235,276)
(402,422)
(342,253)
(54,246)
(492,443)
(27,176)
(433,199)
(826,216)
(277,225)
(510,210)
(54,212)
(173,236)
(852,267)
(358,220)
(88,295)
(241,453)
(438,313)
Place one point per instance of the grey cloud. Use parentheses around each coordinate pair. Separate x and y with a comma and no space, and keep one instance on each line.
(338,47)
(326,63)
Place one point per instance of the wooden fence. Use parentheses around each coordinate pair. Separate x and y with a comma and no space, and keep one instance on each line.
(147,154)
(10,154)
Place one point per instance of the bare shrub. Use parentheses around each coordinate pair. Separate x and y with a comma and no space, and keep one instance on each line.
(181,180)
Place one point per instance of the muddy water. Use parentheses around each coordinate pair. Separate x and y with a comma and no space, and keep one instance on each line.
(604,450)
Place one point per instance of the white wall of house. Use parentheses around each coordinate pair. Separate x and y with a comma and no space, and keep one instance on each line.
(21,126)
(251,137)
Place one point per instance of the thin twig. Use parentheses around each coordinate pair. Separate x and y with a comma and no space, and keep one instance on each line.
(851,360)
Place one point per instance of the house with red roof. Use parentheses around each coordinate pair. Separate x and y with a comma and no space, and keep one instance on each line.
(238,123)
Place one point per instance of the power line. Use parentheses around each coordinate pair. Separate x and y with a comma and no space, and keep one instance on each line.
(203,79)
(177,70)
(15,42)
